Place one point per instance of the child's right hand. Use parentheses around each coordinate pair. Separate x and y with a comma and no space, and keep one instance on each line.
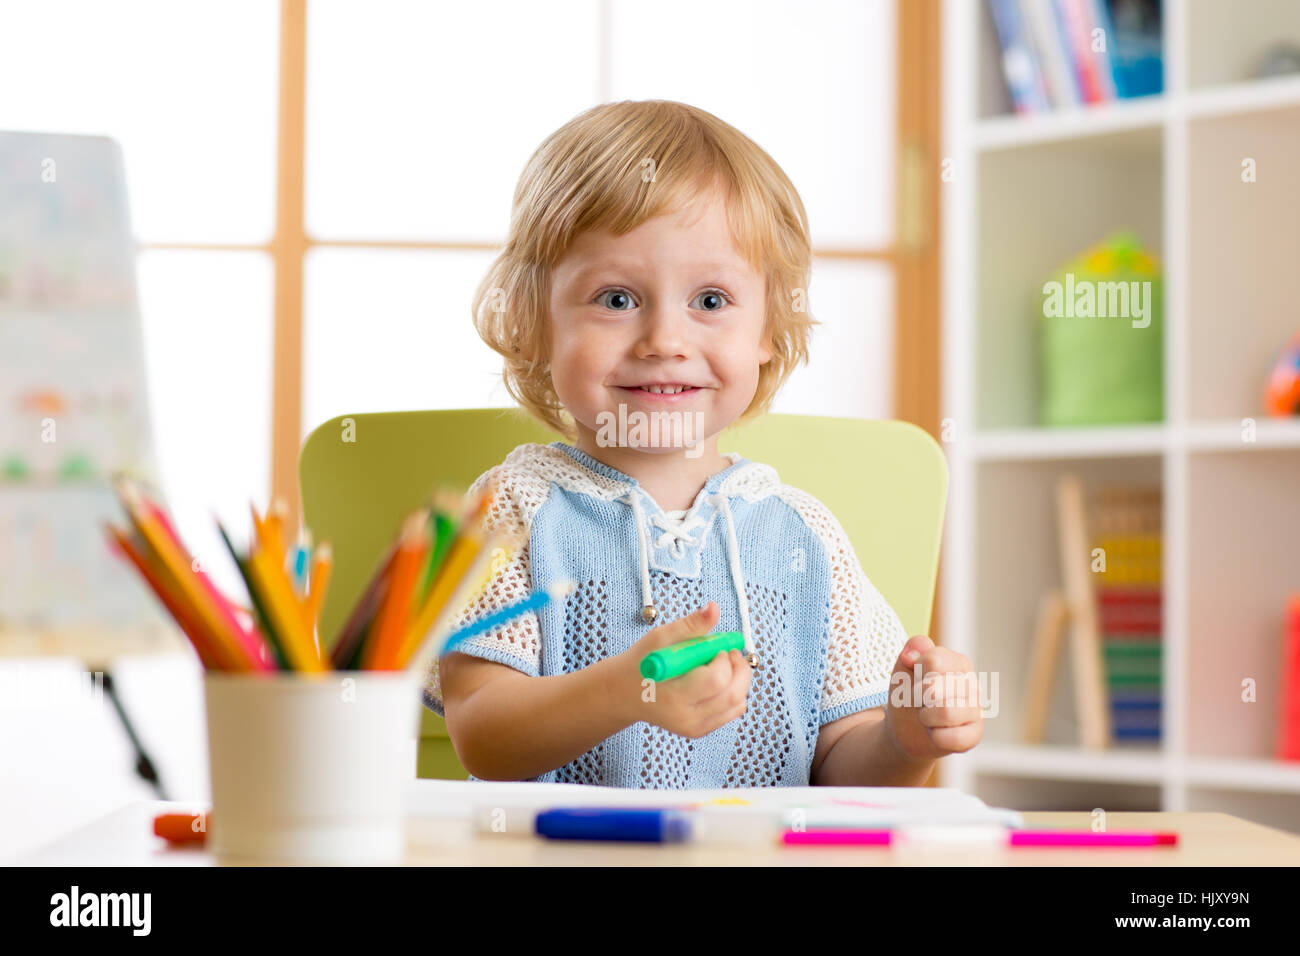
(699,701)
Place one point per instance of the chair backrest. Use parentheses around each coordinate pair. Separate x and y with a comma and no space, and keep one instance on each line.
(886,482)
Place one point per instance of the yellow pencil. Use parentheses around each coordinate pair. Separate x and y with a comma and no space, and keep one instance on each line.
(272,528)
(266,563)
(286,616)
(464,549)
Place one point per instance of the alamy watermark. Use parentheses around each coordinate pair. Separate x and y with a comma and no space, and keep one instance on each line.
(640,429)
(945,689)
(1086,299)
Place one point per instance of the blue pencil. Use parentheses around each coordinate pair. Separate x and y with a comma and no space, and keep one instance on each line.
(534,602)
(301,561)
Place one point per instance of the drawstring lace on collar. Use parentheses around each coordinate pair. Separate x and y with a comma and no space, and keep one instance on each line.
(678,533)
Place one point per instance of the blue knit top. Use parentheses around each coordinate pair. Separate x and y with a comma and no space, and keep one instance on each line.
(773,558)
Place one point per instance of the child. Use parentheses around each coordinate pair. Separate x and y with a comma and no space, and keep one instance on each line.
(647,299)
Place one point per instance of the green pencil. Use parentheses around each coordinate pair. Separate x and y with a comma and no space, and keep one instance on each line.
(442,533)
(263,620)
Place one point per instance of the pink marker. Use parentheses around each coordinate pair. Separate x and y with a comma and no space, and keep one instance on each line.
(973,836)
(836,838)
(1087,838)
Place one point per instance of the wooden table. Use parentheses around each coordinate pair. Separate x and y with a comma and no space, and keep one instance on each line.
(125,837)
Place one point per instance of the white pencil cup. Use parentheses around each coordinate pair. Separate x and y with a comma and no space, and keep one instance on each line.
(310,768)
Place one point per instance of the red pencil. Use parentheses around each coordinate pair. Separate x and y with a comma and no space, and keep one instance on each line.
(250,641)
(183,618)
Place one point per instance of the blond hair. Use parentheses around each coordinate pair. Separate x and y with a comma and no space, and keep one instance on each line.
(592,173)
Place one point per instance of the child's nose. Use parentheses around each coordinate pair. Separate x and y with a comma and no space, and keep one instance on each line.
(664,331)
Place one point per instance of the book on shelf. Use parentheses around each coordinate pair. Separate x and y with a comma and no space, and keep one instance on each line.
(1063,53)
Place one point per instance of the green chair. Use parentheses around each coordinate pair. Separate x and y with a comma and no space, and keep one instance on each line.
(886,482)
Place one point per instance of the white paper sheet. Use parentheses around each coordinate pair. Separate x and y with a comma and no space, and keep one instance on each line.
(865,807)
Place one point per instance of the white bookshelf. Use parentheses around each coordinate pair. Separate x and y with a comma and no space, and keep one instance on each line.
(1028,193)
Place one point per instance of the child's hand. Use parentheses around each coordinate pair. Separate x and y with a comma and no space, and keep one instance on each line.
(945,716)
(699,701)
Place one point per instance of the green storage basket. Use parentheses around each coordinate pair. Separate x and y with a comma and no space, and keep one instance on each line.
(1100,368)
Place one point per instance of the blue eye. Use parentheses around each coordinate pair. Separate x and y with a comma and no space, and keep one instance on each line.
(716,294)
(717,297)
(614,292)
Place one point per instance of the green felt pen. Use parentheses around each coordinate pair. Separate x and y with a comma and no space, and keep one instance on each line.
(669,662)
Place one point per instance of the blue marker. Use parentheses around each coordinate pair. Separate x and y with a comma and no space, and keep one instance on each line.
(595,823)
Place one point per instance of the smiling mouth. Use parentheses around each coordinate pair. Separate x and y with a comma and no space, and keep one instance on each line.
(675,389)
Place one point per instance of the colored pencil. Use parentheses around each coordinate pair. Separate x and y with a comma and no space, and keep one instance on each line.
(322,568)
(441,562)
(272,529)
(301,562)
(277,651)
(471,585)
(178,570)
(274,591)
(183,617)
(386,640)
(534,602)
(298,571)
(277,595)
(453,568)
(250,641)
(353,661)
(352,636)
(446,504)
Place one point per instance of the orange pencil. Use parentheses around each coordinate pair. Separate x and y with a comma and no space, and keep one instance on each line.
(321,569)
(473,582)
(178,571)
(184,619)
(461,553)
(381,650)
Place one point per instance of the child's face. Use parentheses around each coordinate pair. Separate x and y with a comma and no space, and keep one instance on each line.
(671,302)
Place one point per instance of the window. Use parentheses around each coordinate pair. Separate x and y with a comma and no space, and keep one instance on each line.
(366,154)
